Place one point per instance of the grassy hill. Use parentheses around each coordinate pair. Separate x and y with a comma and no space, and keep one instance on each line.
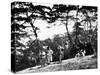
(87,62)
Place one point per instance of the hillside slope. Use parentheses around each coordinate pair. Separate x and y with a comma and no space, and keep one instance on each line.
(86,62)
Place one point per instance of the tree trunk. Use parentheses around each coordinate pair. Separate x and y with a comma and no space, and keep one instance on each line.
(69,37)
(90,38)
(76,28)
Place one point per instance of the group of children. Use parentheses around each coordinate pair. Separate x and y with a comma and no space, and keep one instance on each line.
(46,56)
(81,53)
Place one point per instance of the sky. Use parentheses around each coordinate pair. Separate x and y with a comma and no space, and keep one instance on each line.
(54,29)
(44,4)
(44,33)
(49,32)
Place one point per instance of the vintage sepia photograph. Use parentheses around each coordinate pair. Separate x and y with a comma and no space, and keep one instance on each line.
(48,37)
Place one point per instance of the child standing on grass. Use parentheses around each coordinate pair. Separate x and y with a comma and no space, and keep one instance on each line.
(49,55)
(60,53)
(42,55)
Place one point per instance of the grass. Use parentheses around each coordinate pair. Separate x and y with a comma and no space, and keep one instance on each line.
(86,62)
